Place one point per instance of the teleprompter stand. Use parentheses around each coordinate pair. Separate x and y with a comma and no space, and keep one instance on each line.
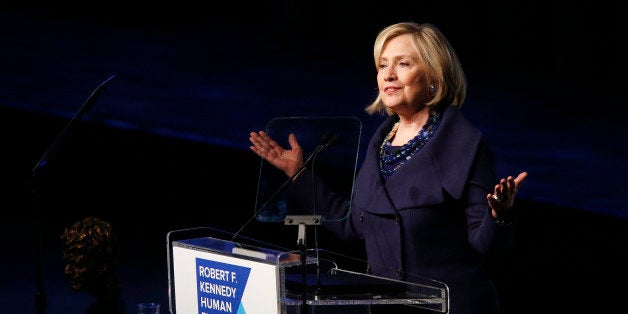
(303,221)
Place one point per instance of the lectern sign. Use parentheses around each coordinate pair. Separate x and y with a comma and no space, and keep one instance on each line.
(208,283)
(220,286)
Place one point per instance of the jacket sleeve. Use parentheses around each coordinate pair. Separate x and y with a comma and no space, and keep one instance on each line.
(485,234)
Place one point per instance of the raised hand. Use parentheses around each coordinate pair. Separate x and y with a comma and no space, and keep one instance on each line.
(287,160)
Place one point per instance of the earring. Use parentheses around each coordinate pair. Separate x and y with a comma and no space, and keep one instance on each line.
(433,89)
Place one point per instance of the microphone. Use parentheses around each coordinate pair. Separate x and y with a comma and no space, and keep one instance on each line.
(328,139)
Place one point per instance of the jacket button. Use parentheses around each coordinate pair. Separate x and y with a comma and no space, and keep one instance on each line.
(361,217)
(399,272)
(397,221)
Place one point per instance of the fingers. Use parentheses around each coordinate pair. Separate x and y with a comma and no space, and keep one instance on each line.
(260,140)
(268,141)
(267,148)
(254,138)
(508,187)
(263,145)
(493,200)
(502,187)
(520,178)
(292,139)
(505,190)
(510,184)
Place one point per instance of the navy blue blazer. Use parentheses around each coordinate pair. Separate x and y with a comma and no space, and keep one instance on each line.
(430,218)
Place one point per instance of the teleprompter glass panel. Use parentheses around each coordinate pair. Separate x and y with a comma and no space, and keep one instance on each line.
(330,151)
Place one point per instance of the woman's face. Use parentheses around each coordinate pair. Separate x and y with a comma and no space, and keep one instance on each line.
(402,76)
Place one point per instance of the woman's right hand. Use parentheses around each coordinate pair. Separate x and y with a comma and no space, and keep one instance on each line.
(287,160)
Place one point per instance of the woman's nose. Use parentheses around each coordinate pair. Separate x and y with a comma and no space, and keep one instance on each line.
(389,74)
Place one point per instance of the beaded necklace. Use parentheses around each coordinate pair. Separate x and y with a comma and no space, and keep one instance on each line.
(391,159)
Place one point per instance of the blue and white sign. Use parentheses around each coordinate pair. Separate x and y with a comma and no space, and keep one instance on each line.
(209,283)
(220,286)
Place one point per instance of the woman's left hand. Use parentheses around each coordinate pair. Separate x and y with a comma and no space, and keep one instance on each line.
(503,197)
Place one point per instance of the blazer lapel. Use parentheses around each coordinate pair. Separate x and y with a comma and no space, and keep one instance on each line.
(371,194)
(443,164)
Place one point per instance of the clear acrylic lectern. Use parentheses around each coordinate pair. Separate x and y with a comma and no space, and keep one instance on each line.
(211,275)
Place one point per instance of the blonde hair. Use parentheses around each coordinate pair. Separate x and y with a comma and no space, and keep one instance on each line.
(444,69)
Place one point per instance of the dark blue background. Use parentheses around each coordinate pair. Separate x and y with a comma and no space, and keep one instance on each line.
(166,144)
